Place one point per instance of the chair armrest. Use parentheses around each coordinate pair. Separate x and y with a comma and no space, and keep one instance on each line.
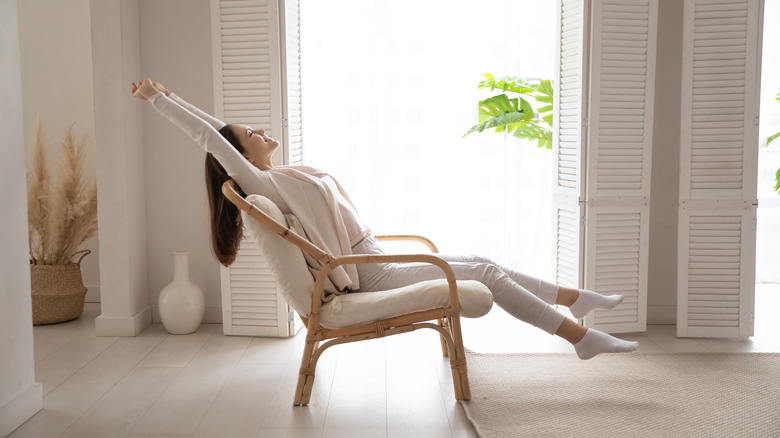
(449,274)
(409,237)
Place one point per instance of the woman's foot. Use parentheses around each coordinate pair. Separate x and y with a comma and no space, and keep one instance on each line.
(588,301)
(595,342)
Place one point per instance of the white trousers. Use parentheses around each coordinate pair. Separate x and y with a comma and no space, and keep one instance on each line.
(526,298)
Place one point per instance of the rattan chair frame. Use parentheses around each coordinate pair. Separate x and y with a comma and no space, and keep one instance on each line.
(319,338)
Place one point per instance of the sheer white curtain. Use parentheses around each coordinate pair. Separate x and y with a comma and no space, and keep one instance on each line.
(767,235)
(390,88)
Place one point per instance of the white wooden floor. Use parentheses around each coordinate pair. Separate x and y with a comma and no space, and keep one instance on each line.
(209,385)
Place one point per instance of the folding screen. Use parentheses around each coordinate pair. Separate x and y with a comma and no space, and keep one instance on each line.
(603,137)
(718,168)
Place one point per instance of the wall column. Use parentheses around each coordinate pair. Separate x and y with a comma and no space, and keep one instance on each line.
(125,309)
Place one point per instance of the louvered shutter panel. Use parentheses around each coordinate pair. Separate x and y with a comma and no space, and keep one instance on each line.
(249,89)
(619,146)
(568,137)
(719,153)
(292,102)
(292,111)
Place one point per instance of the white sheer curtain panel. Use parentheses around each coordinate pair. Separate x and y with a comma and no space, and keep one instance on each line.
(389,89)
(767,235)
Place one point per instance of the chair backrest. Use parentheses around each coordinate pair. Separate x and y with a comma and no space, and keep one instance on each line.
(279,245)
(231,193)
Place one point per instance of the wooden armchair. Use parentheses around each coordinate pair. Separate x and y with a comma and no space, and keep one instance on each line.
(360,316)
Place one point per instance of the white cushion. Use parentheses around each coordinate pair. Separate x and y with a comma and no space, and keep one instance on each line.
(293,279)
(362,307)
(295,283)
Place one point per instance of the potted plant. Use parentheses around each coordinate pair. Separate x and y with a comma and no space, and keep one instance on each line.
(517,116)
(62,214)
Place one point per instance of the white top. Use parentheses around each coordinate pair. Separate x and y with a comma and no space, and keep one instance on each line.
(314,197)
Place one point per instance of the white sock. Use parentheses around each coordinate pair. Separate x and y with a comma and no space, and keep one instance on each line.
(595,342)
(589,300)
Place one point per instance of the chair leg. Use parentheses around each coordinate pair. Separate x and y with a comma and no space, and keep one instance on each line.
(444,351)
(306,373)
(460,377)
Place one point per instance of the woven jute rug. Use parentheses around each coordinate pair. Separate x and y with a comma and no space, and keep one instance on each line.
(625,395)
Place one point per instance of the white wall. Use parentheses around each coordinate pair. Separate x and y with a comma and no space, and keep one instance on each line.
(20,396)
(56,59)
(662,272)
(176,51)
(150,176)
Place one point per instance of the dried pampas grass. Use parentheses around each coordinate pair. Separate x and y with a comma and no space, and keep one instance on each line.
(61,214)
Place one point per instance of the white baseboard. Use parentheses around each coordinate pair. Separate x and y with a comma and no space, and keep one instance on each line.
(662,314)
(123,325)
(21,409)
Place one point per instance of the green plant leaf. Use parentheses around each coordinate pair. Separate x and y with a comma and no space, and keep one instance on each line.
(473,129)
(544,94)
(545,91)
(772,138)
(545,87)
(543,99)
(777,181)
(543,136)
(506,119)
(526,108)
(498,105)
(545,109)
(507,83)
(501,121)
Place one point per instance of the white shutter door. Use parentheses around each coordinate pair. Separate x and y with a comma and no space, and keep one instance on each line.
(291,64)
(292,120)
(619,146)
(251,306)
(248,90)
(719,150)
(246,63)
(717,285)
(568,141)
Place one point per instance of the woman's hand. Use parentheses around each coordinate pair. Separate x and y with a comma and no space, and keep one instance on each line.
(144,89)
(161,88)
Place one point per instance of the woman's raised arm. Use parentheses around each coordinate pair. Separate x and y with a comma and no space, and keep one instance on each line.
(208,118)
(203,132)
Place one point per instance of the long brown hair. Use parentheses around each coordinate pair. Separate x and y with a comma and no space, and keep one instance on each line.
(226,224)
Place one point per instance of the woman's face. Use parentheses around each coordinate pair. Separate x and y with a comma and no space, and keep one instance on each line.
(258,148)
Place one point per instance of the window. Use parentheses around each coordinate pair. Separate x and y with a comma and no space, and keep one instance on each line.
(767,237)
(389,88)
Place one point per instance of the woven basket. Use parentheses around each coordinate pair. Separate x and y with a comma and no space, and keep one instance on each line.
(57,292)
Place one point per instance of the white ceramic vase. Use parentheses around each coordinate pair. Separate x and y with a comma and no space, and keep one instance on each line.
(181,303)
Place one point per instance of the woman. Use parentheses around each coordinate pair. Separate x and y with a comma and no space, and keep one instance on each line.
(332,223)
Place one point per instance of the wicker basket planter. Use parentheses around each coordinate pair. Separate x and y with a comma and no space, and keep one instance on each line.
(57,292)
